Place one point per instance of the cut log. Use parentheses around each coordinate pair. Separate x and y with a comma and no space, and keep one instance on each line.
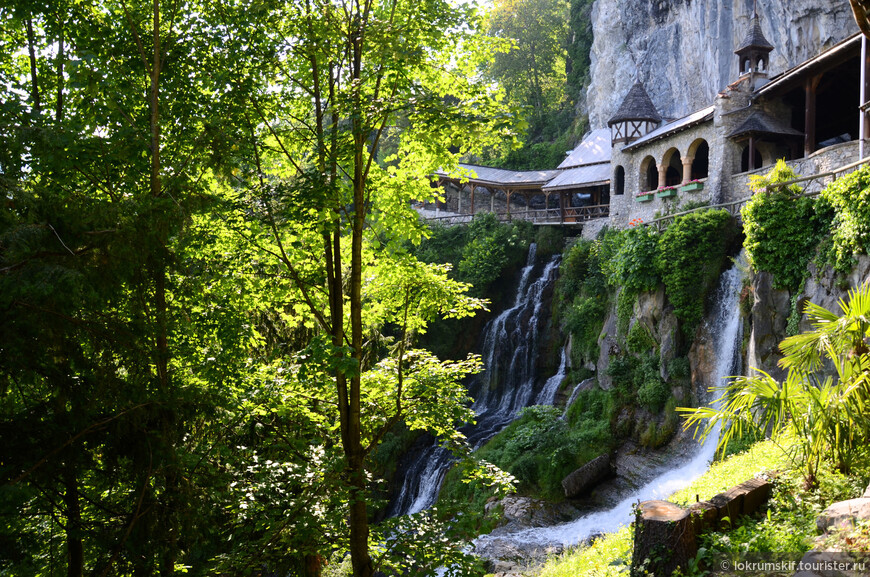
(587,476)
(664,539)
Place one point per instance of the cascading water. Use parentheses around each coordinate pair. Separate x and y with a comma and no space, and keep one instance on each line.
(507,385)
(726,330)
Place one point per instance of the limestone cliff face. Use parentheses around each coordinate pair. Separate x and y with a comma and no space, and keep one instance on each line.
(683,50)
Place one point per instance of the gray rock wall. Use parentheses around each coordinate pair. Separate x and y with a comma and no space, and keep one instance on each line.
(683,50)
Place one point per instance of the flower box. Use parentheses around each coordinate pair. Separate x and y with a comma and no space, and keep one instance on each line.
(645,197)
(666,192)
(692,187)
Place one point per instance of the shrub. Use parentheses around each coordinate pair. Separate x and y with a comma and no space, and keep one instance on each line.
(653,393)
(639,339)
(550,240)
(632,265)
(690,256)
(782,231)
(849,196)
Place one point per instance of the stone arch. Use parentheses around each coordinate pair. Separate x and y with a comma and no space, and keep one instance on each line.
(619,180)
(671,168)
(699,157)
(649,174)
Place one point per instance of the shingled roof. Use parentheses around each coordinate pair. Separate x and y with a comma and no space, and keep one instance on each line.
(760,124)
(755,38)
(636,106)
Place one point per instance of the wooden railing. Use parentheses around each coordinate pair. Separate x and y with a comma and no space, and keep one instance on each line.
(571,215)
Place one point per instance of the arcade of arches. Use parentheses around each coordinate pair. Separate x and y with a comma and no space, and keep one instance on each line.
(672,169)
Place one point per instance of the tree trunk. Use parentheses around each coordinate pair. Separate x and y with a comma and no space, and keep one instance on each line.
(34,83)
(664,538)
(74,547)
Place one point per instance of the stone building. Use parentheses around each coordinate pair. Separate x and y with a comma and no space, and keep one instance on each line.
(644,166)
(810,115)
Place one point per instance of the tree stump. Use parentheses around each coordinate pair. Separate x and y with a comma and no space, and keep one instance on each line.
(664,538)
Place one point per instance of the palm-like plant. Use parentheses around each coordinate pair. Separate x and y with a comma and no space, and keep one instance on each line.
(810,415)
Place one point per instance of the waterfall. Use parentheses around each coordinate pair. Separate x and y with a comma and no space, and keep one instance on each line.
(547,396)
(725,327)
(501,391)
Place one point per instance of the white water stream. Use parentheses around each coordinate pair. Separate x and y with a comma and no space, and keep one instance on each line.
(510,352)
(726,330)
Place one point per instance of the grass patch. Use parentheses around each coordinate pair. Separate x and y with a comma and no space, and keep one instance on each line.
(723,475)
(606,557)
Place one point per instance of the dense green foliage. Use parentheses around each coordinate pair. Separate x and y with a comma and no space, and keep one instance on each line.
(849,196)
(208,309)
(582,299)
(690,255)
(541,448)
(479,253)
(783,230)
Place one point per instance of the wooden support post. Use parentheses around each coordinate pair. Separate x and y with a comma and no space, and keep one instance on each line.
(459,198)
(752,154)
(546,207)
(864,118)
(491,199)
(810,87)
(561,207)
(507,193)
(472,199)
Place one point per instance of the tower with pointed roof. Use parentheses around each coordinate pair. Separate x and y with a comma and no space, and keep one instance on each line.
(754,53)
(636,117)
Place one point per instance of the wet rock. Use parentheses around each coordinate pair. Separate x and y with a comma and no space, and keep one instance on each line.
(506,553)
(702,360)
(683,51)
(608,346)
(769,318)
(669,341)
(535,512)
(586,477)
(844,515)
(825,289)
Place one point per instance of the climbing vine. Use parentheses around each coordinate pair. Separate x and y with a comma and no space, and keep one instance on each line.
(783,229)
(689,257)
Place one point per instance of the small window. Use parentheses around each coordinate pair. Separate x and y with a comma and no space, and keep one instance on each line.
(619,180)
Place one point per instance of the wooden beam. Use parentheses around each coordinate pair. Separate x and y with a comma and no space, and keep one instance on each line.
(751,165)
(812,83)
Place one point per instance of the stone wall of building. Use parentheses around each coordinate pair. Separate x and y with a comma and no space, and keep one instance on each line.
(625,208)
(824,160)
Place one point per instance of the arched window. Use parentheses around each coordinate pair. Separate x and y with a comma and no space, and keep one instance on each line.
(673,164)
(649,174)
(700,154)
(619,180)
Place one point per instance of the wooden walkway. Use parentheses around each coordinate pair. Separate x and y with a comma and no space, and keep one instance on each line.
(543,217)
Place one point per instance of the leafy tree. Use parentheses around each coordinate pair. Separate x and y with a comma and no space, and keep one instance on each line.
(120,332)
(532,70)
(330,221)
